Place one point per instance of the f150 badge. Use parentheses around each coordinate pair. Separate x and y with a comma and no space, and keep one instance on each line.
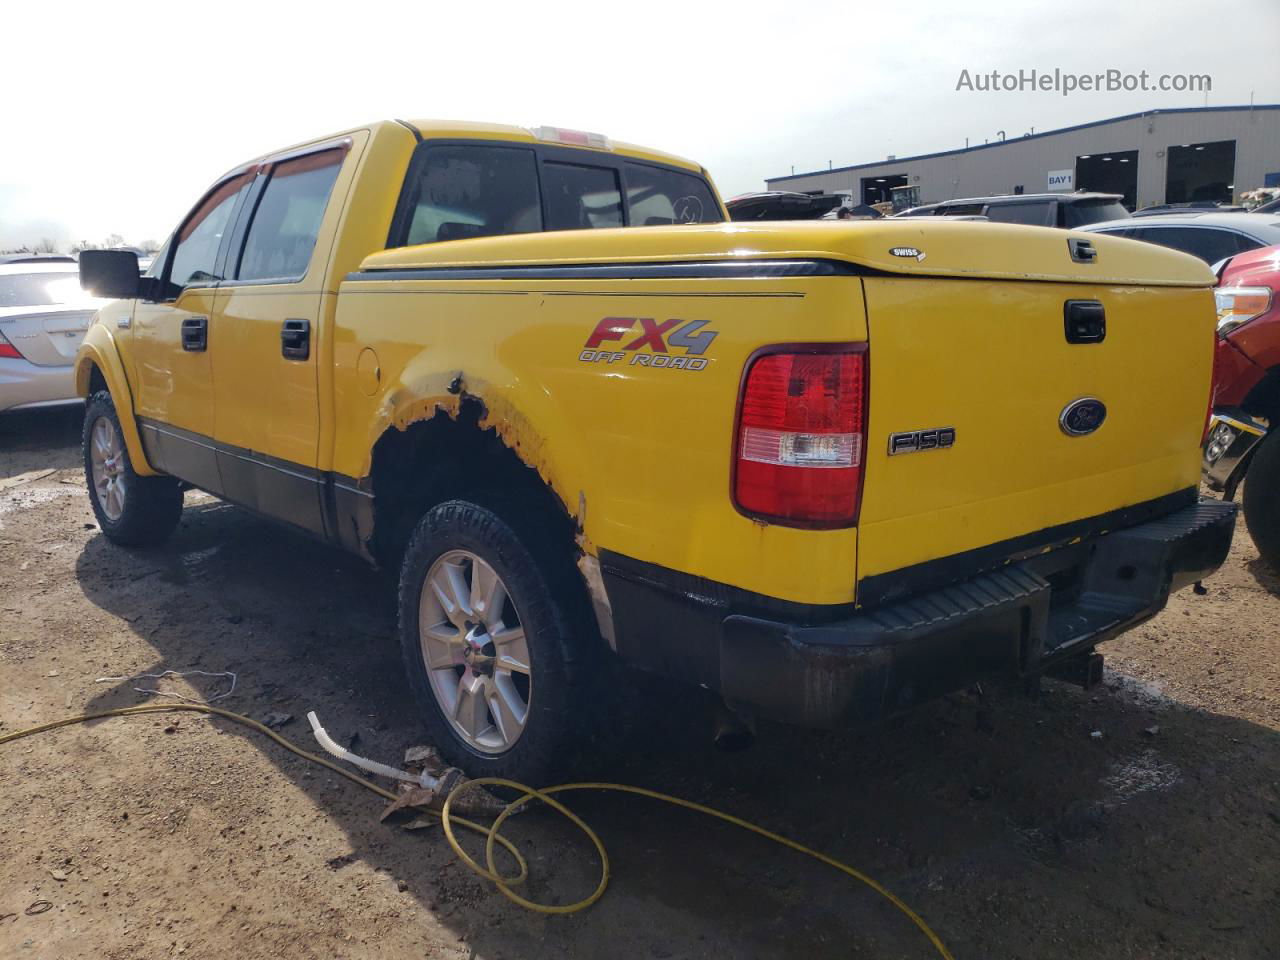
(645,341)
(917,441)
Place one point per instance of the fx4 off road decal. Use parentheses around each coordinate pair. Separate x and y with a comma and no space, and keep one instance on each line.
(646,342)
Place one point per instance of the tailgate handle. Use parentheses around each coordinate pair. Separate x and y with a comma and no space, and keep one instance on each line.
(1085,321)
(1082,251)
(195,334)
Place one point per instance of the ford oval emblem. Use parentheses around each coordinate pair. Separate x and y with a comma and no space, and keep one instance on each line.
(1083,416)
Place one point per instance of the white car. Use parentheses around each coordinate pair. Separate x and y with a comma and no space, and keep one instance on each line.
(1210,236)
(43,316)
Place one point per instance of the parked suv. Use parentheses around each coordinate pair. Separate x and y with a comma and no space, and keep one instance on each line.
(1068,210)
(1243,439)
(828,470)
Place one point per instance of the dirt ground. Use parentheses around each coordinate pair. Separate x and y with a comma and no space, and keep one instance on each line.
(1140,819)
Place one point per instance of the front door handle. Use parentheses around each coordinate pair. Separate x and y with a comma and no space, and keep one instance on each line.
(195,334)
(295,339)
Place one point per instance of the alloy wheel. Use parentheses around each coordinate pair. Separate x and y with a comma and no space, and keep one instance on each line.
(106,455)
(475,652)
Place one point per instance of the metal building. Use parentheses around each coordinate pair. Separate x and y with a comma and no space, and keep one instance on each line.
(1159,156)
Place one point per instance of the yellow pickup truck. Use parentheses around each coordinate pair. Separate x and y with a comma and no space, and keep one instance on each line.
(828,470)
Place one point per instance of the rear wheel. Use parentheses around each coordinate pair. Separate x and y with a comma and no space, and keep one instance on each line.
(132,511)
(1262,499)
(491,643)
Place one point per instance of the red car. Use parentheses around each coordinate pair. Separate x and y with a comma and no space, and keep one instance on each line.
(1244,430)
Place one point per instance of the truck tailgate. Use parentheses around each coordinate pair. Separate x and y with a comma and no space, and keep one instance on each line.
(992,361)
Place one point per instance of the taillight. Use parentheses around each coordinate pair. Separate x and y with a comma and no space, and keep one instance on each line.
(7,349)
(798,451)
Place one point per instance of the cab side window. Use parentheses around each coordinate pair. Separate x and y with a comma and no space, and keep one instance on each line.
(287,220)
(195,253)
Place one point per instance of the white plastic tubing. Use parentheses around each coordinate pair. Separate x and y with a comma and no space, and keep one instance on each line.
(326,741)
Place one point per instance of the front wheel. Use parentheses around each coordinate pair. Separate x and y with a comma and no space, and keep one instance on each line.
(491,643)
(132,511)
(1262,499)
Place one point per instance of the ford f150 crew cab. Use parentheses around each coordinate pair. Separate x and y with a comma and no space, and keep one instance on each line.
(826,469)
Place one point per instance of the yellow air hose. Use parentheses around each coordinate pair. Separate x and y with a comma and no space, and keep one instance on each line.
(492,834)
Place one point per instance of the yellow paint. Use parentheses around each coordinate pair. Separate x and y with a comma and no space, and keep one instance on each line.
(99,350)
(991,360)
(264,401)
(970,336)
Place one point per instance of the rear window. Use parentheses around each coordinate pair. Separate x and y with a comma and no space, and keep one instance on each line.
(657,197)
(40,289)
(1079,214)
(473,191)
(581,197)
(456,191)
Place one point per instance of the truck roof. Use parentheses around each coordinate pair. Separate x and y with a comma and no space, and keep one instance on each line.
(467,130)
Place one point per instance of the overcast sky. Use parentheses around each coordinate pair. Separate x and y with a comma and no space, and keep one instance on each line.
(116,116)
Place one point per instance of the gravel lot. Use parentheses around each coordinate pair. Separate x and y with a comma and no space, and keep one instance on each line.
(1012,827)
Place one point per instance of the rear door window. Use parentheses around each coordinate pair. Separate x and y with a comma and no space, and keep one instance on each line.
(286,223)
(1035,212)
(1203,242)
(960,210)
(580,197)
(464,191)
(657,196)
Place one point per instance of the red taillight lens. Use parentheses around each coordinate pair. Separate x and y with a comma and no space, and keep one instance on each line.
(798,453)
(7,349)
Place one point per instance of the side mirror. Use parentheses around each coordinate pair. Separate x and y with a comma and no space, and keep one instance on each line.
(110,273)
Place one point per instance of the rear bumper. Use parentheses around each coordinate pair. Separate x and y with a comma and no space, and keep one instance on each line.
(1016,621)
(23,384)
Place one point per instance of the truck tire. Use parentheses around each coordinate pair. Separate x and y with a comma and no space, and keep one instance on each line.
(132,511)
(1262,499)
(493,641)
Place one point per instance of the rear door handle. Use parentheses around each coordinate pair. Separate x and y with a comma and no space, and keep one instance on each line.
(295,339)
(195,334)
(1084,321)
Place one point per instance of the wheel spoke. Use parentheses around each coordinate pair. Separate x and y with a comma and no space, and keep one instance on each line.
(441,646)
(470,709)
(101,440)
(513,650)
(449,584)
(507,707)
(487,592)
